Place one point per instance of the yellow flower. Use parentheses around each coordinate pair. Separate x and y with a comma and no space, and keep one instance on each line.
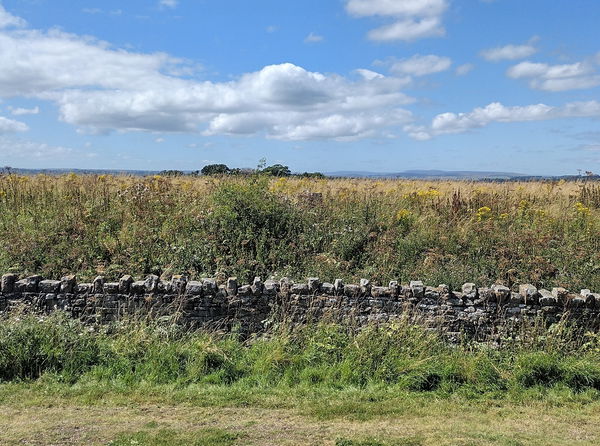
(429,193)
(503,216)
(581,209)
(523,205)
(403,214)
(484,213)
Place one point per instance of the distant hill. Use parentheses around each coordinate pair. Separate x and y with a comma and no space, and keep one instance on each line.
(83,171)
(432,174)
(407,174)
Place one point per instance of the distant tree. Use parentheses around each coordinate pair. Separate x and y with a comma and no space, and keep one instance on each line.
(277,170)
(215,169)
(311,175)
(171,173)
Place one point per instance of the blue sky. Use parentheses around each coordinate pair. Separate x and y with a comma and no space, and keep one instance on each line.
(319,85)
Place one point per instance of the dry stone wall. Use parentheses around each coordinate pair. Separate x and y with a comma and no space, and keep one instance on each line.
(476,312)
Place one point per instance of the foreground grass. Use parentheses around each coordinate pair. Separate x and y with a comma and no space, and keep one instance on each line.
(112,419)
(62,383)
(545,233)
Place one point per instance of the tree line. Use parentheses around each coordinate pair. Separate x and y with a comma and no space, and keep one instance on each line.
(275,170)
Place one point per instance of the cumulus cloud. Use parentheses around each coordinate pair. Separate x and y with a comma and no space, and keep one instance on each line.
(313,38)
(418,65)
(411,19)
(447,123)
(464,69)
(8,20)
(509,52)
(99,89)
(24,111)
(542,76)
(17,148)
(11,126)
(168,3)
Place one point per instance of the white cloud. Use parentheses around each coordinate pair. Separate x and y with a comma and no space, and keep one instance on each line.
(418,65)
(11,126)
(412,19)
(447,123)
(24,111)
(99,89)
(464,69)
(364,8)
(579,75)
(8,20)
(509,52)
(26,150)
(313,38)
(368,74)
(168,3)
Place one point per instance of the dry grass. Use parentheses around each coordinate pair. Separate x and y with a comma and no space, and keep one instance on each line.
(436,423)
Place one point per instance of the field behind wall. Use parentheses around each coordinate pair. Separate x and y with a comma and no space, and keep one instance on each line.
(544,233)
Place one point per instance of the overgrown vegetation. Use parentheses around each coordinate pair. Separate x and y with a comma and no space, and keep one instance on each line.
(400,357)
(440,232)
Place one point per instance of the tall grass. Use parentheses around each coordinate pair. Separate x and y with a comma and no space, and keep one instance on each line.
(398,356)
(546,233)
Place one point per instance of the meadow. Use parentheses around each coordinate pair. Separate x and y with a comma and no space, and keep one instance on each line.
(544,233)
(140,382)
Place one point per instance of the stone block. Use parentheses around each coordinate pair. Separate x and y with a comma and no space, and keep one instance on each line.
(194,288)
(380,291)
(8,283)
(417,288)
(338,284)
(68,284)
(28,285)
(501,293)
(111,288)
(83,288)
(49,286)
(351,290)
(209,287)
(232,286)
(244,291)
(327,288)
(257,286)
(300,288)
(98,285)
(138,287)
(365,287)
(313,284)
(178,283)
(560,293)
(547,299)
(470,289)
(271,287)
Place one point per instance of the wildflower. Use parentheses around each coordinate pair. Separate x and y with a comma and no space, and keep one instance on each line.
(484,213)
(429,193)
(581,209)
(523,205)
(503,216)
(403,214)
